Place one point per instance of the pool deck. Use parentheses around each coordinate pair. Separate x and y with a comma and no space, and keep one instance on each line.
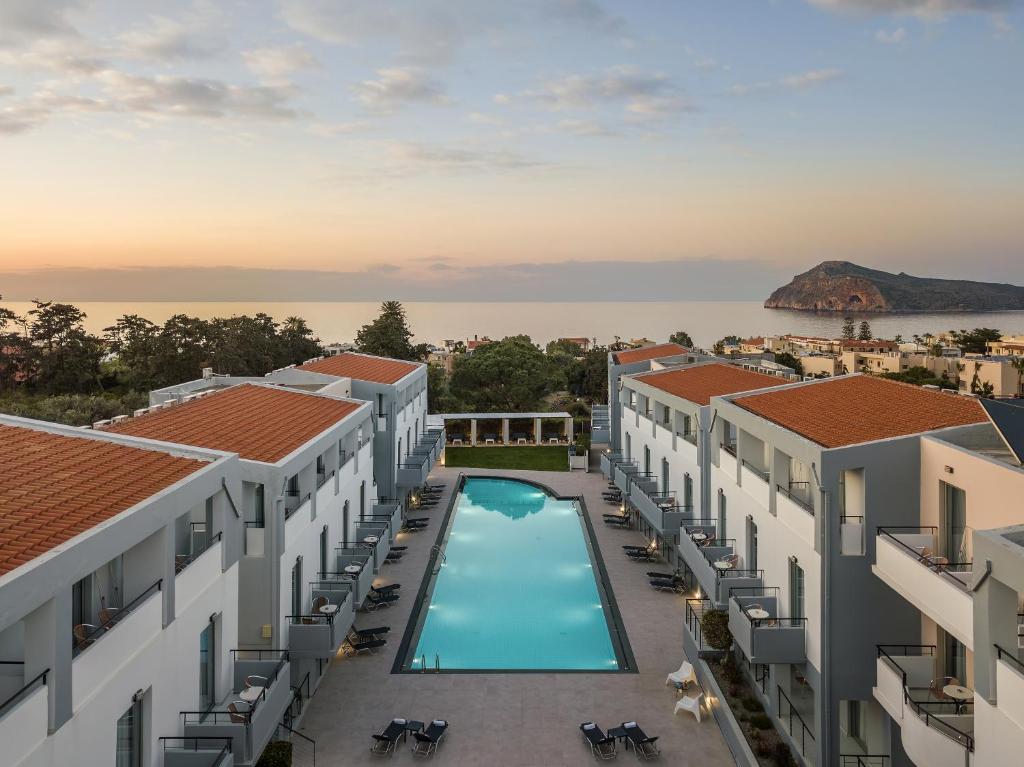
(515,720)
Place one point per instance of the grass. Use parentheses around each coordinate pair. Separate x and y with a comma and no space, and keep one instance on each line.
(535,458)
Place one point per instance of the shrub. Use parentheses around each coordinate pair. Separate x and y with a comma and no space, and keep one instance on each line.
(731,672)
(752,704)
(278,753)
(781,755)
(760,722)
(715,626)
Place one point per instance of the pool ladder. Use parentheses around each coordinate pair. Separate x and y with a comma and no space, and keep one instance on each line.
(441,558)
(437,663)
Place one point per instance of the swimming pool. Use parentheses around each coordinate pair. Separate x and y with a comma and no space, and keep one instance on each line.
(518,588)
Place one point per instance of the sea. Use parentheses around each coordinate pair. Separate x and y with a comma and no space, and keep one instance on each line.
(434,322)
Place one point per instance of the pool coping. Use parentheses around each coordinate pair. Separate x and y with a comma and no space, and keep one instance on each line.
(616,627)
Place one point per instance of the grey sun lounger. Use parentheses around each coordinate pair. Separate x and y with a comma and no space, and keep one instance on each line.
(668,584)
(601,746)
(373,633)
(384,742)
(368,645)
(643,746)
(426,742)
(386,589)
(386,600)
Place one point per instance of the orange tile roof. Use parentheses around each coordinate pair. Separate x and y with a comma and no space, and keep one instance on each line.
(363,367)
(853,409)
(648,353)
(260,423)
(54,487)
(699,384)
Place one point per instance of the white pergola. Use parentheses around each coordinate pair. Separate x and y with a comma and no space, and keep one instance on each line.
(504,438)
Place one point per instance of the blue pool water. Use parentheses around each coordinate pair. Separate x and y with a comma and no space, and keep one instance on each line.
(517,589)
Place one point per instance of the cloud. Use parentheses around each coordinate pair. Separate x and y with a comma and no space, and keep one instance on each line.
(164,39)
(891,36)
(639,93)
(800,81)
(409,158)
(586,128)
(67,56)
(330,130)
(925,8)
(586,12)
(501,99)
(21,19)
(277,65)
(481,118)
(397,86)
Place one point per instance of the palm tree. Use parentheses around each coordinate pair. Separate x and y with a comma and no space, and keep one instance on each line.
(1018,365)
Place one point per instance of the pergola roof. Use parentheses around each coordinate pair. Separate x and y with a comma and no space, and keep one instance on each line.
(495,416)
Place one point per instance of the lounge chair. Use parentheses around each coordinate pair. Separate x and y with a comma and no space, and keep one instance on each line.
(683,676)
(426,742)
(674,585)
(601,746)
(387,587)
(364,634)
(393,556)
(692,703)
(618,521)
(654,574)
(399,548)
(385,600)
(643,746)
(417,520)
(631,547)
(645,555)
(360,646)
(384,742)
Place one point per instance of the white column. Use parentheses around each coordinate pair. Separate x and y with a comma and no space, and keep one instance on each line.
(538,435)
(504,430)
(568,429)
(472,431)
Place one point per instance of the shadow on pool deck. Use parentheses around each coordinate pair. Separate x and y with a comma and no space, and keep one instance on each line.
(515,720)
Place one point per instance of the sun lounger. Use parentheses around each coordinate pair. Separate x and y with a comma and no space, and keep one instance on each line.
(360,646)
(618,521)
(668,584)
(601,746)
(388,589)
(386,600)
(384,742)
(643,746)
(373,633)
(399,548)
(426,742)
(417,520)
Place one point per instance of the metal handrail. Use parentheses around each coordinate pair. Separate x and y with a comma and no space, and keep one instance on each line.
(38,681)
(96,634)
(864,760)
(757,470)
(1000,652)
(198,744)
(302,500)
(729,447)
(804,729)
(693,619)
(807,505)
(941,569)
(304,737)
(216,538)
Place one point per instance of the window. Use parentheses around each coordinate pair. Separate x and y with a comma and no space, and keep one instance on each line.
(207,673)
(323,551)
(722,504)
(664,475)
(796,590)
(956,544)
(954,658)
(647,460)
(258,508)
(853,714)
(751,543)
(399,449)
(688,491)
(344,521)
(362,499)
(129,737)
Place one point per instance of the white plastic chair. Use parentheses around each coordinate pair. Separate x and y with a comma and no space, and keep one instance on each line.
(683,676)
(693,704)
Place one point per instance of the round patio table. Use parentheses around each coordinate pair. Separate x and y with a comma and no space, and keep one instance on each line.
(723,565)
(959,693)
(371,539)
(353,569)
(698,537)
(758,614)
(328,609)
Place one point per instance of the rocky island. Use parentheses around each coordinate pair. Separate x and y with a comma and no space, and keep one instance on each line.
(841,286)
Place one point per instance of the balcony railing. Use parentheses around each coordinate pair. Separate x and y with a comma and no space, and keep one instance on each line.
(33,684)
(755,470)
(195,752)
(796,498)
(760,632)
(729,447)
(931,712)
(293,502)
(1001,654)
(92,634)
(181,561)
(864,760)
(801,734)
(695,610)
(910,540)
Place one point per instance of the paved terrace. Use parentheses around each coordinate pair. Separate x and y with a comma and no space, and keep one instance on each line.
(515,720)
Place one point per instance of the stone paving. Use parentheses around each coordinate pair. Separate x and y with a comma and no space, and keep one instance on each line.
(515,720)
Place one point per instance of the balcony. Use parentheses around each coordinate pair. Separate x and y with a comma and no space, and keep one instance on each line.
(759,630)
(905,560)
(320,634)
(293,501)
(624,472)
(391,513)
(694,644)
(99,648)
(661,510)
(727,458)
(24,711)
(608,463)
(196,574)
(197,752)
(795,513)
(700,550)
(249,726)
(600,425)
(754,481)
(1010,684)
(352,557)
(375,536)
(433,440)
(412,471)
(935,730)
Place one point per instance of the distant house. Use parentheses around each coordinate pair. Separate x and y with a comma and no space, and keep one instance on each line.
(583,343)
(1012,346)
(476,343)
(331,350)
(754,345)
(874,346)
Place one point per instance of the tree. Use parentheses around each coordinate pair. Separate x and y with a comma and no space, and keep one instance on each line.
(682,338)
(439,396)
(133,339)
(898,339)
(864,331)
(296,343)
(848,329)
(787,359)
(68,358)
(388,335)
(975,341)
(16,350)
(588,378)
(1018,365)
(507,375)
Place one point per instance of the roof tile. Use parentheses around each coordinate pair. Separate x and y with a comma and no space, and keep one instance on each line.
(363,367)
(648,353)
(699,384)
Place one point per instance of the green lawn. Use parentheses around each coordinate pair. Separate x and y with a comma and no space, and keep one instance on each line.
(537,458)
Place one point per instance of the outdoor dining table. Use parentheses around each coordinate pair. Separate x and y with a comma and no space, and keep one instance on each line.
(698,537)
(371,539)
(758,614)
(328,609)
(353,569)
(251,694)
(723,565)
(960,694)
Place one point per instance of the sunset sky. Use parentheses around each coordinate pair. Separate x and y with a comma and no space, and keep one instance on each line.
(429,139)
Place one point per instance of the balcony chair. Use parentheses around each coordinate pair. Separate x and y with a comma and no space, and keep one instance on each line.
(935,687)
(108,615)
(693,704)
(180,562)
(238,712)
(83,635)
(683,676)
(601,746)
